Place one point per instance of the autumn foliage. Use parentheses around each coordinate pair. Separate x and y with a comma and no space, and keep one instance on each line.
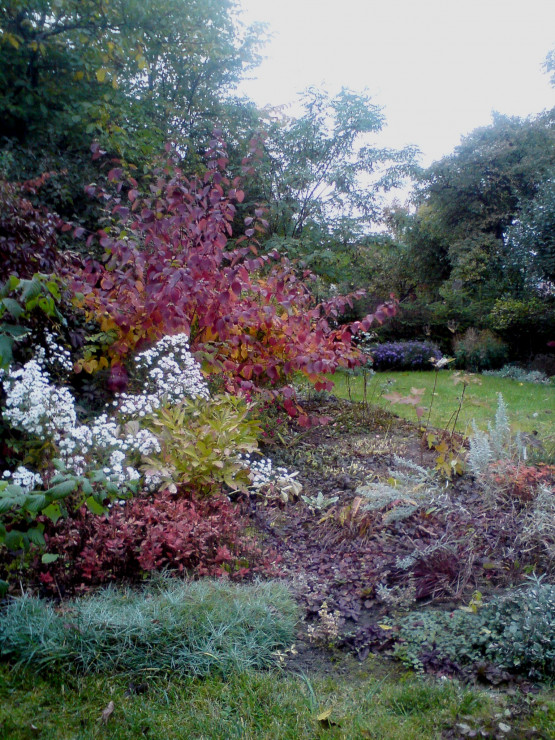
(172,266)
(197,537)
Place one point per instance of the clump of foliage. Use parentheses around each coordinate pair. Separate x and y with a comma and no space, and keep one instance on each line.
(536,536)
(148,534)
(34,297)
(169,434)
(187,628)
(519,480)
(408,488)
(28,235)
(515,630)
(404,355)
(514,372)
(480,350)
(497,445)
(170,267)
(202,444)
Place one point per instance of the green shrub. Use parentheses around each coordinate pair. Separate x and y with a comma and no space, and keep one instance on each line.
(190,628)
(516,630)
(480,350)
(202,443)
(512,314)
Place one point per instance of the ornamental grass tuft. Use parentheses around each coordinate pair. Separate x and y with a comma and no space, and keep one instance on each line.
(191,628)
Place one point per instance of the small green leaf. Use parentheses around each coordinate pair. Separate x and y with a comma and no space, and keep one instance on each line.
(53,512)
(13,539)
(62,489)
(6,344)
(86,487)
(52,286)
(31,288)
(35,501)
(49,557)
(36,537)
(94,506)
(13,307)
(15,331)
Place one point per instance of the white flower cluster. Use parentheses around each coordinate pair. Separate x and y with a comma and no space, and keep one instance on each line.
(24,478)
(56,356)
(170,374)
(35,406)
(262,473)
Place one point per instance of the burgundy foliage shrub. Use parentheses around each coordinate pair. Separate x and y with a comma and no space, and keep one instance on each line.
(28,236)
(145,535)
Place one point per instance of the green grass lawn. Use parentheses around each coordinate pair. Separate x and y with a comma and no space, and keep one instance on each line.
(372,700)
(531,406)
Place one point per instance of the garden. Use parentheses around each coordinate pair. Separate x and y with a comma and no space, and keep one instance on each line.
(186,497)
(242,495)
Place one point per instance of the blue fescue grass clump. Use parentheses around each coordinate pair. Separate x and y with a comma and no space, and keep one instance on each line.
(191,628)
(404,355)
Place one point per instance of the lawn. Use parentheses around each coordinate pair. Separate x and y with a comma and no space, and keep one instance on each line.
(372,700)
(531,406)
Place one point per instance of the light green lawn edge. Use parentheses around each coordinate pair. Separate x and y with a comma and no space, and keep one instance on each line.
(531,406)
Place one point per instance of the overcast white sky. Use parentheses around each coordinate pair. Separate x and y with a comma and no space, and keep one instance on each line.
(437,67)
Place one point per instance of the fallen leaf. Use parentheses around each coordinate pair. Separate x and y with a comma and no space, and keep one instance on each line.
(107,713)
(324,715)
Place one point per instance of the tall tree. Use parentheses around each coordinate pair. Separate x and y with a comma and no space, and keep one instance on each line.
(530,238)
(323,177)
(131,73)
(467,200)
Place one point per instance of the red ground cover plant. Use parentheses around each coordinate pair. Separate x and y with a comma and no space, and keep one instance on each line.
(170,267)
(521,481)
(150,534)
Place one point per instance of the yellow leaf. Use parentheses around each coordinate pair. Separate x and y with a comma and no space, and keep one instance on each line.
(324,715)
(385,626)
(79,75)
(101,74)
(13,40)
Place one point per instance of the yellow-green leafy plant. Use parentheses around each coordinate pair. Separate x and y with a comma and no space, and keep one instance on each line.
(202,444)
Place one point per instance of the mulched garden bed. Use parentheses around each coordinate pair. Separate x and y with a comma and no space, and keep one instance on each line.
(345,562)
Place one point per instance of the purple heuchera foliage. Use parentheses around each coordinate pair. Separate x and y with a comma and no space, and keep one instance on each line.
(404,355)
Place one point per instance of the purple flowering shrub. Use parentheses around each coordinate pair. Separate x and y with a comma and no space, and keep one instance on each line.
(404,355)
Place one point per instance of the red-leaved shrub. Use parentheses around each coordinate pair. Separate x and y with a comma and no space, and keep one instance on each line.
(28,235)
(171,266)
(144,535)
